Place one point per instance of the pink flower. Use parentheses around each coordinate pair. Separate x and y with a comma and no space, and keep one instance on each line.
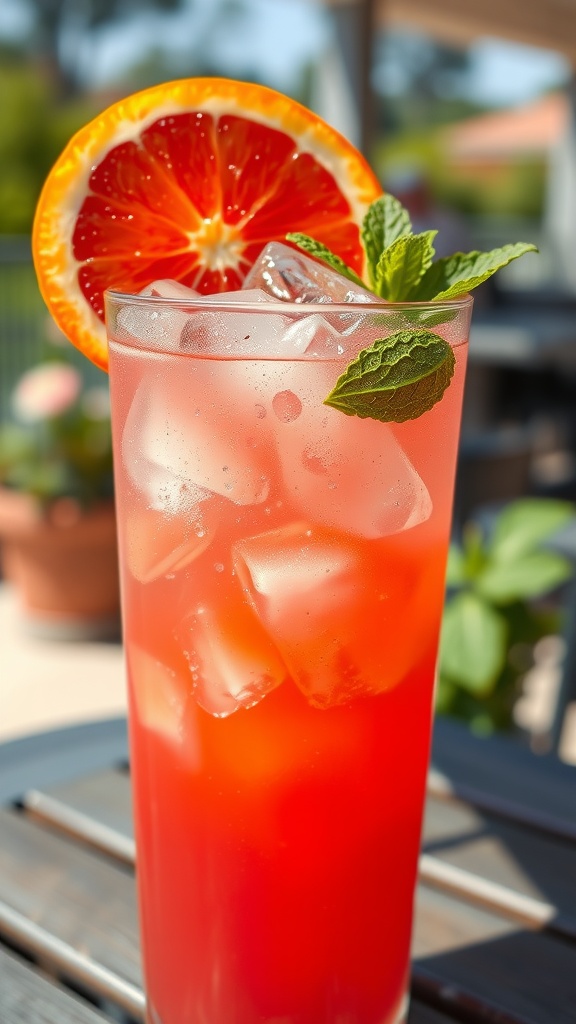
(46,391)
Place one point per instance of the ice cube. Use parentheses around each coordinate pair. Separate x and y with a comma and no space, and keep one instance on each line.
(314,336)
(233,662)
(192,430)
(293,276)
(234,332)
(335,607)
(348,473)
(160,544)
(247,295)
(168,289)
(160,696)
(155,325)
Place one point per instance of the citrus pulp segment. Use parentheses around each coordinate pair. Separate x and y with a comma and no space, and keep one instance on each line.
(189,180)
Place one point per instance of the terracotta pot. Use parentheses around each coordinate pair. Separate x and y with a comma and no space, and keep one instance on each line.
(64,565)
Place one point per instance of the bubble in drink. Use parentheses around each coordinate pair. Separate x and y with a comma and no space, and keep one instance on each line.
(231,666)
(287,406)
(291,276)
(320,595)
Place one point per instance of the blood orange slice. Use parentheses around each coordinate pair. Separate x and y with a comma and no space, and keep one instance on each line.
(189,180)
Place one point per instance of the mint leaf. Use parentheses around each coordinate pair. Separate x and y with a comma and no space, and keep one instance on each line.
(473,643)
(398,378)
(456,275)
(322,252)
(385,221)
(402,264)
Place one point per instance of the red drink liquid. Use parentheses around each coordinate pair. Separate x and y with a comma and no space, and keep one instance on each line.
(282,603)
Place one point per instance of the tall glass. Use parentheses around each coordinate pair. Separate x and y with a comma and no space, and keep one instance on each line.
(283,578)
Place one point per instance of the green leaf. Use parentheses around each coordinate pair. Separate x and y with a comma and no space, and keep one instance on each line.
(456,275)
(533,575)
(323,253)
(402,264)
(385,221)
(474,549)
(473,643)
(524,524)
(456,567)
(398,378)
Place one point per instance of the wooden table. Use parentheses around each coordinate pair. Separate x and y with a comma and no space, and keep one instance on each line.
(495,933)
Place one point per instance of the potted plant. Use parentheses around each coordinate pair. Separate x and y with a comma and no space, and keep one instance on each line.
(57,524)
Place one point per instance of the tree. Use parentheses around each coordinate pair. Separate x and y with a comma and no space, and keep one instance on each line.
(32,133)
(60,27)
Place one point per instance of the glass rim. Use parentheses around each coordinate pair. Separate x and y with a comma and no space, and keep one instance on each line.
(207,303)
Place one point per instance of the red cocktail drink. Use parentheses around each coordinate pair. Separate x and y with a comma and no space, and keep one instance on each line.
(283,580)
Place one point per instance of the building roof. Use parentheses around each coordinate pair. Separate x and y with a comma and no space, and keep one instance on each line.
(532,128)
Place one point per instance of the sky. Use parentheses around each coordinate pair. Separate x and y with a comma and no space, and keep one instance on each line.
(502,73)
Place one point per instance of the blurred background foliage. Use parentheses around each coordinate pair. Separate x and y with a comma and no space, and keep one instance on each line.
(63,61)
(60,63)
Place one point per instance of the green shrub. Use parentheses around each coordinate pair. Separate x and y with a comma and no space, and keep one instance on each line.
(494,612)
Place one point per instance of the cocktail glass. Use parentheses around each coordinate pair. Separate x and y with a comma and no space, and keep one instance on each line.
(283,579)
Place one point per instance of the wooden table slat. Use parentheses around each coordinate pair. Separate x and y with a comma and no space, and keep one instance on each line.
(521,874)
(524,862)
(25,996)
(498,775)
(503,857)
(104,796)
(88,903)
(79,968)
(478,958)
(80,825)
(73,893)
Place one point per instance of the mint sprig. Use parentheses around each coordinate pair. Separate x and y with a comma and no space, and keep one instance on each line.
(402,376)
(385,221)
(402,265)
(456,275)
